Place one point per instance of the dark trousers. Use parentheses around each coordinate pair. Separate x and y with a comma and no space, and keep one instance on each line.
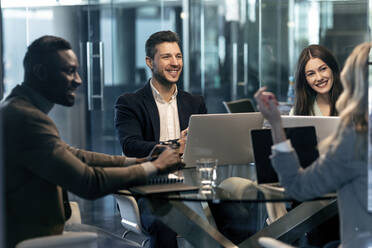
(161,236)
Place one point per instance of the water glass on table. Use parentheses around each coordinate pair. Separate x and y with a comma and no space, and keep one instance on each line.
(207,174)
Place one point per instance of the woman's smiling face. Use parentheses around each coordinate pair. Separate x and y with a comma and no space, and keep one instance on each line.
(319,76)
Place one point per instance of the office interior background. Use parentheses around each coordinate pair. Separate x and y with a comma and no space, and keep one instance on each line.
(230,49)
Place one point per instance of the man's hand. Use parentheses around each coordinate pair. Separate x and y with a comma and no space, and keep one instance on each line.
(141,160)
(168,161)
(156,151)
(182,141)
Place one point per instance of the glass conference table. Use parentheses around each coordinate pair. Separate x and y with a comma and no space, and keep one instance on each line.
(188,212)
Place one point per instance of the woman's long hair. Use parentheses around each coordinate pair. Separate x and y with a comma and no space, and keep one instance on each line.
(305,95)
(353,102)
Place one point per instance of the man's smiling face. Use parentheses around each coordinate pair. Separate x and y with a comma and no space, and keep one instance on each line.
(166,66)
(63,77)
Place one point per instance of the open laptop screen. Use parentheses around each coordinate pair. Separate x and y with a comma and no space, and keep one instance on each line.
(303,140)
(324,125)
(225,137)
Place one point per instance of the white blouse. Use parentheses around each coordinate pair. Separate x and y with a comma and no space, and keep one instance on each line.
(316,110)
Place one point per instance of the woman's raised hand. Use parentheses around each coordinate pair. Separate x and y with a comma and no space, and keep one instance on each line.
(268,105)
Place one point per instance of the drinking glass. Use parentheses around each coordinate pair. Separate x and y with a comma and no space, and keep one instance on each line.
(207,174)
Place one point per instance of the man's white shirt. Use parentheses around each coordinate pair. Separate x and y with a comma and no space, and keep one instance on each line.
(168,115)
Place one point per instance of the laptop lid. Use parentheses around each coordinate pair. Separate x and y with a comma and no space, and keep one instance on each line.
(226,137)
(303,140)
(324,125)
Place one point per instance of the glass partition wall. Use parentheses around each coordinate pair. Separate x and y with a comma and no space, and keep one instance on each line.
(109,39)
(237,46)
(230,47)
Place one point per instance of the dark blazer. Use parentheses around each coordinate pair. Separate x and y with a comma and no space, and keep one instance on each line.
(137,119)
(38,164)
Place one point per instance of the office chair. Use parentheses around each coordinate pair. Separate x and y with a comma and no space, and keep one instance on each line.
(130,217)
(75,214)
(236,220)
(69,239)
(269,212)
(131,221)
(238,187)
(239,106)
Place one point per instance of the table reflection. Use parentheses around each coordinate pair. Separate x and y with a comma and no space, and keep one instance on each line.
(235,183)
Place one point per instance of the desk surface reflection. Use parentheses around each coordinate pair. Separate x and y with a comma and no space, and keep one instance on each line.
(229,176)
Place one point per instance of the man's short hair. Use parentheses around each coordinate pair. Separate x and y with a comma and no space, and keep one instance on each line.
(160,37)
(42,49)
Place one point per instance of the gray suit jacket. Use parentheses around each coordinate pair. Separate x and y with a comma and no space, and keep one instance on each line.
(38,164)
(340,169)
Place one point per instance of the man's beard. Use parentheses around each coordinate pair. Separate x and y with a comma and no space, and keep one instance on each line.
(163,80)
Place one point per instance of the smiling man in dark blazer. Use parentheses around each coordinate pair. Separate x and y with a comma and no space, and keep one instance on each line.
(159,111)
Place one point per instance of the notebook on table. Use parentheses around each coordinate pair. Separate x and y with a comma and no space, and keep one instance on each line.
(163,184)
(324,125)
(225,137)
(162,188)
(303,140)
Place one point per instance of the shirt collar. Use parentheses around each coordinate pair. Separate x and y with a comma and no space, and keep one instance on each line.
(40,101)
(157,95)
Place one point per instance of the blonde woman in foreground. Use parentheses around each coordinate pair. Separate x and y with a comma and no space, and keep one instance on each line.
(343,168)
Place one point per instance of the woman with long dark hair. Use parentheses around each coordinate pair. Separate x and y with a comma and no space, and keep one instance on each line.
(317,82)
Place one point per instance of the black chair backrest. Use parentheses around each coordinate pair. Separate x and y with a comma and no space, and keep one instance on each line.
(244,105)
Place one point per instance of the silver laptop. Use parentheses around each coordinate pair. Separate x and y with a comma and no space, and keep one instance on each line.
(324,125)
(226,137)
